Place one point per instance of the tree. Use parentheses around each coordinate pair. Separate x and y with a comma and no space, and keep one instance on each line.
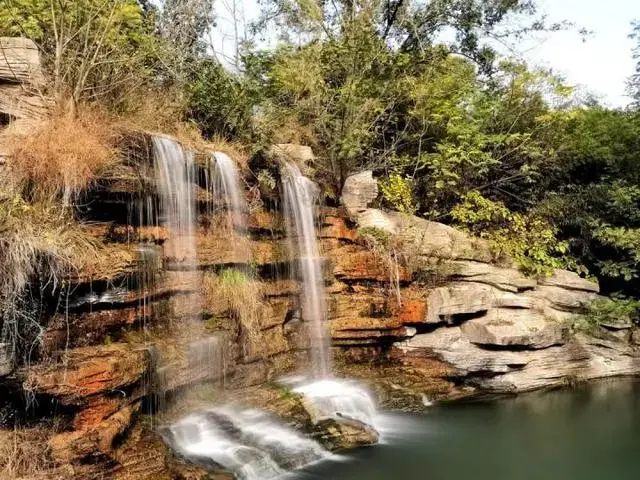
(184,25)
(595,196)
(220,102)
(633,85)
(413,26)
(93,49)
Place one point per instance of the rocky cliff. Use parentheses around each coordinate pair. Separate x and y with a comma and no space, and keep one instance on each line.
(418,310)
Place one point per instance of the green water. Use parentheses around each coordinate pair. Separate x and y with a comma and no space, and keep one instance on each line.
(587,434)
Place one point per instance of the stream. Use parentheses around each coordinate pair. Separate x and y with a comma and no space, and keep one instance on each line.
(590,432)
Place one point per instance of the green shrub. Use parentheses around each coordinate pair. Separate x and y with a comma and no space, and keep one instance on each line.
(375,238)
(530,240)
(219,102)
(609,311)
(398,192)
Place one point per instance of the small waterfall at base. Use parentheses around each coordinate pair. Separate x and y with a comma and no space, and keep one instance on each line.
(338,398)
(301,197)
(249,443)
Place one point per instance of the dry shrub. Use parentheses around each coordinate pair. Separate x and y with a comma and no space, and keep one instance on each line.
(160,112)
(152,111)
(23,453)
(64,154)
(290,130)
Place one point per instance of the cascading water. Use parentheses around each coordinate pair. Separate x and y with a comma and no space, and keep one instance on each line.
(331,397)
(175,176)
(225,183)
(176,180)
(335,398)
(301,197)
(247,442)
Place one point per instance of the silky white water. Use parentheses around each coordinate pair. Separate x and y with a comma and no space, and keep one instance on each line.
(225,184)
(339,398)
(301,197)
(176,183)
(331,397)
(249,443)
(175,178)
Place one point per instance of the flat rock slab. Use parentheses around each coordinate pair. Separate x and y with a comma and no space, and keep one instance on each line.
(89,371)
(570,281)
(504,370)
(515,328)
(508,279)
(444,303)
(562,299)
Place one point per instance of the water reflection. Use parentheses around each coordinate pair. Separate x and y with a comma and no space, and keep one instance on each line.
(586,433)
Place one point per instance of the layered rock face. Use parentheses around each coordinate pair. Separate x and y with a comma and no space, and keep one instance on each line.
(501,331)
(21,79)
(416,308)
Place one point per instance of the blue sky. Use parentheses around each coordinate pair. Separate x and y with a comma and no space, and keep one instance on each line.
(599,64)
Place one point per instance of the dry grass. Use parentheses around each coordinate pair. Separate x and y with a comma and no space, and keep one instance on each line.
(63,155)
(24,453)
(160,112)
(241,295)
(37,241)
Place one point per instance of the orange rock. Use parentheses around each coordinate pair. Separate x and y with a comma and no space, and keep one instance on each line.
(354,262)
(88,371)
(336,227)
(83,329)
(93,440)
(411,311)
(99,409)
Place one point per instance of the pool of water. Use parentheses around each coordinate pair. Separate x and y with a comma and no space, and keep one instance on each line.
(586,433)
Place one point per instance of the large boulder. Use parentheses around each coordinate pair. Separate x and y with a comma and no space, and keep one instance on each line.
(426,240)
(445,303)
(19,61)
(359,191)
(516,328)
(21,79)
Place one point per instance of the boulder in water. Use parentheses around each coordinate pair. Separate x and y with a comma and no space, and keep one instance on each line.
(343,434)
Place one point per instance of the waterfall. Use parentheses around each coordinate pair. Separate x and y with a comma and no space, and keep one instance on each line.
(176,182)
(226,184)
(249,443)
(331,397)
(175,177)
(301,197)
